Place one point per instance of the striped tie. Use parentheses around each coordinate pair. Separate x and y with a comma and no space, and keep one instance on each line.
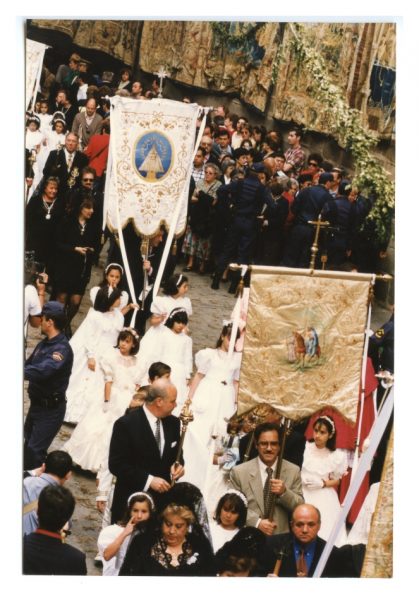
(157,435)
(266,490)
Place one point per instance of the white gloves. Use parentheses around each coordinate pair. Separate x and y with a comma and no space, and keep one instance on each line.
(313,482)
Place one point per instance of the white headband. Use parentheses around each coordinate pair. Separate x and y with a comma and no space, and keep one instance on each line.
(179,280)
(132,332)
(142,494)
(329,420)
(239,494)
(115,265)
(226,322)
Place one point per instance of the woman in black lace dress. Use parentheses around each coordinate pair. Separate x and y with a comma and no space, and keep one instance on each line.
(178,546)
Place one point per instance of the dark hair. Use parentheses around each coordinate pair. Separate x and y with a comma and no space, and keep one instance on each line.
(87,170)
(345,187)
(235,564)
(55,506)
(202,150)
(297,130)
(157,370)
(60,321)
(326,166)
(233,503)
(58,463)
(331,442)
(178,315)
(103,301)
(86,202)
(55,121)
(137,498)
(264,427)
(315,156)
(325,177)
(172,285)
(304,177)
(226,331)
(126,334)
(115,266)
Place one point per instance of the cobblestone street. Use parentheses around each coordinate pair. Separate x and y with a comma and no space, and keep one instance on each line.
(210,308)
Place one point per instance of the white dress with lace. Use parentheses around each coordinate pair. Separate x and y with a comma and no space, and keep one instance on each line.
(322,463)
(212,405)
(89,443)
(96,335)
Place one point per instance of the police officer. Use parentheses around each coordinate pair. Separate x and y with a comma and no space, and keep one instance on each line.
(306,207)
(48,371)
(247,198)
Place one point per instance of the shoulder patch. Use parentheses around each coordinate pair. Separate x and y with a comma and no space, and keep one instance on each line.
(57,356)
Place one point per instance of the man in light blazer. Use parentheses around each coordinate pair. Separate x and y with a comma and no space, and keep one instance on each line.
(250,478)
(144,448)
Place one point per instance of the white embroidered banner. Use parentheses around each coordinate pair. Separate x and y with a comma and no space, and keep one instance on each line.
(34,58)
(152,145)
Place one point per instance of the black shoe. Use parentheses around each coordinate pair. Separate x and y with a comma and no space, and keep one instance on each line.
(215,285)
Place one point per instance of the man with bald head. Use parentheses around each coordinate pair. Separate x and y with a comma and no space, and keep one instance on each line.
(301,548)
(144,447)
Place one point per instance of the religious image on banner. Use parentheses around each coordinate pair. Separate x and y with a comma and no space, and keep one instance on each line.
(304,343)
(152,145)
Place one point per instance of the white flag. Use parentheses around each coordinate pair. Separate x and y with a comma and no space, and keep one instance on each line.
(150,164)
(34,58)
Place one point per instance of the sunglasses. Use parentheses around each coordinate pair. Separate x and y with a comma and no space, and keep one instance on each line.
(91,180)
(313,164)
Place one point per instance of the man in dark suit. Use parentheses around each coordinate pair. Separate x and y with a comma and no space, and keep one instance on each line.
(144,447)
(300,549)
(43,550)
(66,164)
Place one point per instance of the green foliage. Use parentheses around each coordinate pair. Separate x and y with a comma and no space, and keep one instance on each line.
(346,126)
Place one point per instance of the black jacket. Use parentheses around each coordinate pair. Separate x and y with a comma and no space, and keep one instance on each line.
(133,455)
(45,555)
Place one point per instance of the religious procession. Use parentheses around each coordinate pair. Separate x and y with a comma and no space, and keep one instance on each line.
(209,321)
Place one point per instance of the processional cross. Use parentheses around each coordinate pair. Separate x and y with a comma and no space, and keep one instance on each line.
(315,247)
(161,74)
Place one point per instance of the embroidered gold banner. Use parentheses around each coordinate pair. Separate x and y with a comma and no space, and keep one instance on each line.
(378,561)
(304,342)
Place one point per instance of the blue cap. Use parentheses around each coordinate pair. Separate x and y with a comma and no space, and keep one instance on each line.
(53,309)
(258,167)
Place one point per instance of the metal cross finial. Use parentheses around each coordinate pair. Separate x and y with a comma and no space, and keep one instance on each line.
(161,74)
(315,247)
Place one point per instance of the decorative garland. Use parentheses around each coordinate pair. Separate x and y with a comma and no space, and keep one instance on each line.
(222,30)
(347,127)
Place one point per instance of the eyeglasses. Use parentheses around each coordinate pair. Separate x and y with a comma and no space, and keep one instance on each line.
(313,164)
(266,444)
(88,179)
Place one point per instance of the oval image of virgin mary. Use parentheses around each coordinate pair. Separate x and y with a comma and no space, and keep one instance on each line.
(153,156)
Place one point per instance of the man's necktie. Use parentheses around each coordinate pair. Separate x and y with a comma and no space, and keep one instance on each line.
(157,435)
(69,161)
(266,490)
(301,565)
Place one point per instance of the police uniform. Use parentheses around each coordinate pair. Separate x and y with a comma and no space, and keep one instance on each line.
(48,371)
